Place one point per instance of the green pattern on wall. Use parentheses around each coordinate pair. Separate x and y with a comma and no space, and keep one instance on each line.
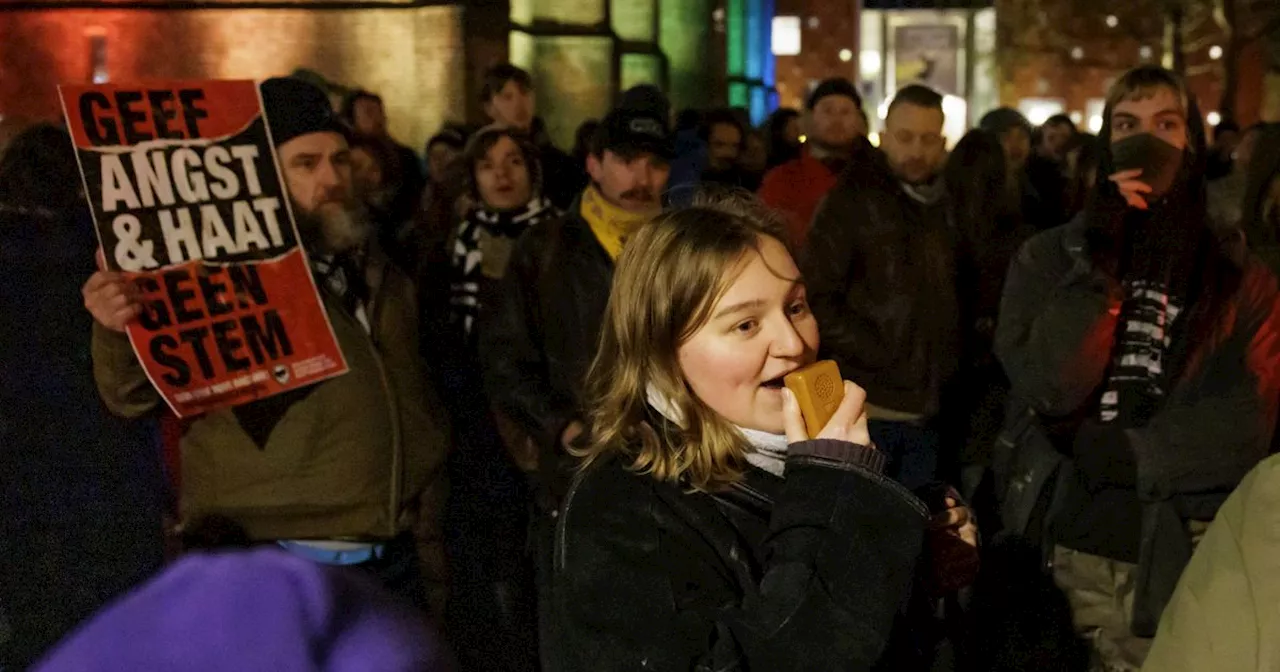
(633,19)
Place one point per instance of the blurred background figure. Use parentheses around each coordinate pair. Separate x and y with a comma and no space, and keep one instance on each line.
(442,150)
(83,491)
(402,174)
(1047,169)
(492,611)
(1226,138)
(582,141)
(726,140)
(834,120)
(1013,132)
(1227,193)
(439,209)
(370,161)
(1055,137)
(260,611)
(1082,173)
(991,228)
(782,136)
(509,98)
(1260,218)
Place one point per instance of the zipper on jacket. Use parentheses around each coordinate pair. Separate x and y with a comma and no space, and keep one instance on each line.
(397,469)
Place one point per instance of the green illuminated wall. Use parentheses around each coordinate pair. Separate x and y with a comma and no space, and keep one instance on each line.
(684,35)
(581,53)
(633,20)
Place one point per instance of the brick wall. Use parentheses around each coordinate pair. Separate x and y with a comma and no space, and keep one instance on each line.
(820,46)
(414,57)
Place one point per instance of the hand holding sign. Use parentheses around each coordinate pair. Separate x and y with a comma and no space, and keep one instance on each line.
(111,298)
(203,266)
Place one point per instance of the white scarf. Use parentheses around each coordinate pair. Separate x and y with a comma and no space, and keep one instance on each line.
(769,450)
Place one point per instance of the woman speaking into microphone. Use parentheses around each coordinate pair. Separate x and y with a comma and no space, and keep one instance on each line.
(706,529)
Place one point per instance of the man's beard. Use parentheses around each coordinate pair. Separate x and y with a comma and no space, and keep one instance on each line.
(821,149)
(334,227)
(915,173)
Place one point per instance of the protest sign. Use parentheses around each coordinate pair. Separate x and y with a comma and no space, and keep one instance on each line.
(186,198)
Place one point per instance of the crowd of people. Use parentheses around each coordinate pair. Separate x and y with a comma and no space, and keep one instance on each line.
(564,442)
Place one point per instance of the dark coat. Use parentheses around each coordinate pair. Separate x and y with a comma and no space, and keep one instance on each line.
(83,491)
(881,277)
(803,573)
(537,340)
(1057,325)
(563,177)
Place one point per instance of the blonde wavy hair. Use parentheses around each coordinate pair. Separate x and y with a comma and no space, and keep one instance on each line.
(671,273)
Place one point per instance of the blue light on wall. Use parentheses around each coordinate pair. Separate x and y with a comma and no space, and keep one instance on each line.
(751,81)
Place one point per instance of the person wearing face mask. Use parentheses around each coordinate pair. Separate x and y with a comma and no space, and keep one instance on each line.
(705,528)
(834,120)
(882,277)
(1142,355)
(346,472)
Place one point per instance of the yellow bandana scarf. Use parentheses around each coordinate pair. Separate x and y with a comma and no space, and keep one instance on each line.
(610,224)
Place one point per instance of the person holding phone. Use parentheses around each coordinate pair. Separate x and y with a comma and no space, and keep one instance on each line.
(1145,349)
(706,529)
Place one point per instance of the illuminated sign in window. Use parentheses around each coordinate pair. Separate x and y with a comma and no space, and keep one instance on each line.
(786,35)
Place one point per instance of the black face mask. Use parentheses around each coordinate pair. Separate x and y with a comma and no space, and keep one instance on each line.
(1158,160)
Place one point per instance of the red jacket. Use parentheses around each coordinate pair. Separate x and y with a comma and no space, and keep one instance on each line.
(795,188)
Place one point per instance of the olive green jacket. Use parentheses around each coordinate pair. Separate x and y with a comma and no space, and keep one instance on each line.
(360,456)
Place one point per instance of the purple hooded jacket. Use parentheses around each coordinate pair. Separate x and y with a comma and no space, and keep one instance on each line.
(261,610)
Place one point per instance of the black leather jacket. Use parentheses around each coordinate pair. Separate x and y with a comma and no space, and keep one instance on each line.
(880,272)
(803,573)
(537,340)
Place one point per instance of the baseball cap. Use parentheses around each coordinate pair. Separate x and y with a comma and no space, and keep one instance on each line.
(634,131)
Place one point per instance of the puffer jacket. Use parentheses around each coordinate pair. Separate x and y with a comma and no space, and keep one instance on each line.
(803,573)
(537,340)
(360,456)
(1223,616)
(880,269)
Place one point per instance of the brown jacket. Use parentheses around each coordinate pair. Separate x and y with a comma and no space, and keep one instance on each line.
(360,456)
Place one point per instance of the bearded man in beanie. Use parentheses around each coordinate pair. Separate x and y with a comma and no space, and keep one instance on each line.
(348,471)
(1144,350)
(833,119)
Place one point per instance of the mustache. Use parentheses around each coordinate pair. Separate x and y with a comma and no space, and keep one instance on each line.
(640,194)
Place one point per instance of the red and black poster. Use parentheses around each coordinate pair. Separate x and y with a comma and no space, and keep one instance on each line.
(187,199)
